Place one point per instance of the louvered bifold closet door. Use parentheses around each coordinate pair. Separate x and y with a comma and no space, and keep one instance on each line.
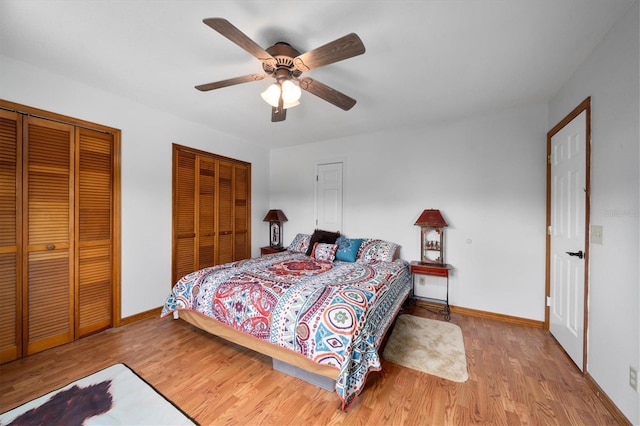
(241,212)
(94,231)
(10,225)
(225,212)
(47,234)
(206,212)
(184,214)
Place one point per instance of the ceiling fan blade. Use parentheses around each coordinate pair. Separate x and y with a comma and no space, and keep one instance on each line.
(230,82)
(227,29)
(337,50)
(327,93)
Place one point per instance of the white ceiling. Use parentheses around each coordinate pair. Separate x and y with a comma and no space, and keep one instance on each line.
(425,61)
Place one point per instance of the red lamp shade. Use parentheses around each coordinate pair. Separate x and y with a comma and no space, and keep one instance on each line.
(431,217)
(275,216)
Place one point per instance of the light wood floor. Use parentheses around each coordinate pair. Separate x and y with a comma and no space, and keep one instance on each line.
(517,376)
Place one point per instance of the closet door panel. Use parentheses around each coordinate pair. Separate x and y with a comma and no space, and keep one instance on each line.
(48,278)
(50,320)
(184,215)
(10,224)
(225,212)
(94,230)
(241,212)
(206,212)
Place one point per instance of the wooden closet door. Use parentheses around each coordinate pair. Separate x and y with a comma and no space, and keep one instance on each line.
(206,185)
(94,231)
(241,180)
(10,225)
(48,234)
(184,214)
(225,212)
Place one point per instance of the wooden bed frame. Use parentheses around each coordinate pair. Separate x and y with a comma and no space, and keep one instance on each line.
(286,356)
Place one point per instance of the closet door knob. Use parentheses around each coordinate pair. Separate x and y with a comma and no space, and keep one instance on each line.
(51,246)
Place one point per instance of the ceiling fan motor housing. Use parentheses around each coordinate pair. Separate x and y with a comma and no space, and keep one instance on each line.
(284,54)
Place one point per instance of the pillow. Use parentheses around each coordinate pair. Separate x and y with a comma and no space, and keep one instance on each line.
(300,243)
(320,236)
(371,250)
(323,251)
(347,249)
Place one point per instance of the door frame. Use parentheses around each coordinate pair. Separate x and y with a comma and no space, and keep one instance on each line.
(583,106)
(317,164)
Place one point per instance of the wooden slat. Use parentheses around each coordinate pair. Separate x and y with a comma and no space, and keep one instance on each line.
(48,278)
(184,211)
(10,224)
(186,193)
(49,301)
(211,205)
(241,247)
(95,185)
(10,335)
(9,128)
(94,289)
(206,212)
(94,274)
(48,182)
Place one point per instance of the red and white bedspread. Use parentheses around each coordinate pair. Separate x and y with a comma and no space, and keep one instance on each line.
(334,313)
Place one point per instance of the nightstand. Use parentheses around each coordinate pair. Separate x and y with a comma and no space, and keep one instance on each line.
(419,268)
(271,250)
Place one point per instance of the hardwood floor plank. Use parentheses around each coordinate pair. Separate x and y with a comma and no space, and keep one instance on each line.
(518,375)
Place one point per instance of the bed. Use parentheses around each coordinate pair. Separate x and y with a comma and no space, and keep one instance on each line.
(319,307)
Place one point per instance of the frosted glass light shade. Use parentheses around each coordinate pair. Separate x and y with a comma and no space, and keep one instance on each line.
(290,94)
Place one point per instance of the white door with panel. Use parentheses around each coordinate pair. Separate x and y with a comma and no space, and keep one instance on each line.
(329,196)
(568,242)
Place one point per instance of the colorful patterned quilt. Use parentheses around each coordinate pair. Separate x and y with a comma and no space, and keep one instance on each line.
(334,313)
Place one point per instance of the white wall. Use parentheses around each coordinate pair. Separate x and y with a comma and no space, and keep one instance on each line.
(611,77)
(147,135)
(486,175)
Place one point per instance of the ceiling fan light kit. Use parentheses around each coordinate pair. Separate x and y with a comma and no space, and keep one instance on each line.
(285,64)
(289,91)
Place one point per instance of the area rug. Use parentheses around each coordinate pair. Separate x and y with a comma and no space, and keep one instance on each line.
(113,396)
(430,346)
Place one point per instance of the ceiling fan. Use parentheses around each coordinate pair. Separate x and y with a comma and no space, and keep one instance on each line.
(285,64)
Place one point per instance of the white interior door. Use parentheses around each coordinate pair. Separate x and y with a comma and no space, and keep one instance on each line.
(329,197)
(567,236)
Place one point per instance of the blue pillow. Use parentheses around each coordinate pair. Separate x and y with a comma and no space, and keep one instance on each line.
(347,249)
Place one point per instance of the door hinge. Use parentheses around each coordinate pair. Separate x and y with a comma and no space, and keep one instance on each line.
(548,300)
(549,159)
(549,230)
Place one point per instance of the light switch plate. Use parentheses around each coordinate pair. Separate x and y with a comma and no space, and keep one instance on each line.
(596,234)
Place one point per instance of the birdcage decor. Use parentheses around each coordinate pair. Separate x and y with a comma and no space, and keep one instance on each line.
(432,226)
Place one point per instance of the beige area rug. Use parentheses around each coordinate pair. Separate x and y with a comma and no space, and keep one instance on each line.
(430,346)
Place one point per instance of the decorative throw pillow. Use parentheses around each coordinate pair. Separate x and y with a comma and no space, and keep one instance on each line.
(372,250)
(348,248)
(320,236)
(323,251)
(300,243)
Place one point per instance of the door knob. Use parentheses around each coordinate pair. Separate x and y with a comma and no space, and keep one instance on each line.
(579,253)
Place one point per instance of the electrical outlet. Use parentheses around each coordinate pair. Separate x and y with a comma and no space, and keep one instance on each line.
(633,378)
